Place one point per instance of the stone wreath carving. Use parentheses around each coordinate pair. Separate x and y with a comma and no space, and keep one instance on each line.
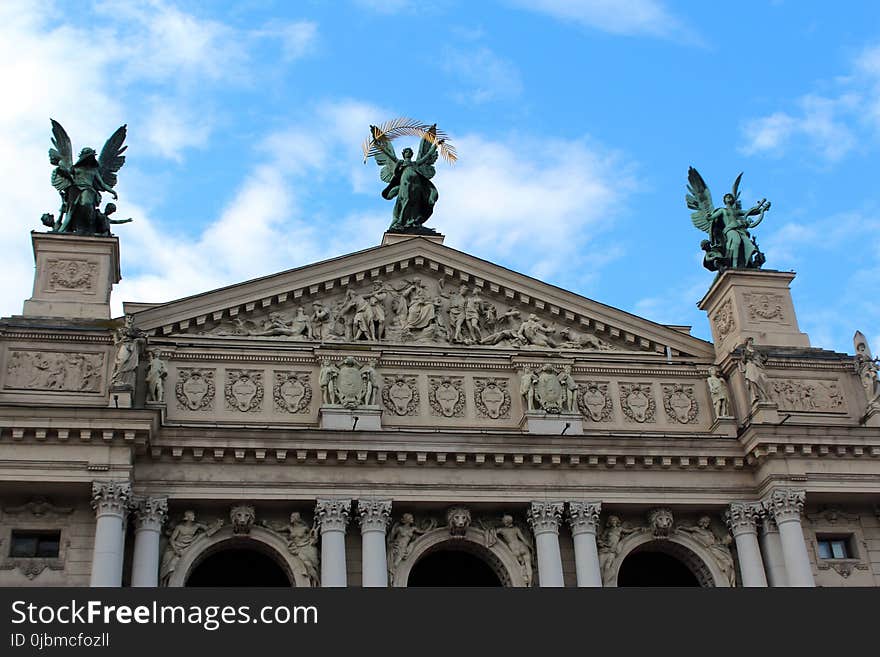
(595,402)
(401,396)
(680,403)
(723,320)
(244,390)
(195,389)
(292,392)
(446,396)
(492,398)
(637,402)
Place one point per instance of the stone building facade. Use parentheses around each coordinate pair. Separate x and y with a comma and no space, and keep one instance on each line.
(410,415)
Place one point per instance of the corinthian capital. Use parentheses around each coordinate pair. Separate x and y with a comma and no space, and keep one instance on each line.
(545,516)
(584,516)
(742,517)
(111,497)
(374,515)
(332,514)
(785,504)
(150,512)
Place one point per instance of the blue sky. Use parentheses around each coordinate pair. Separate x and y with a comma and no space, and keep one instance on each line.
(575,123)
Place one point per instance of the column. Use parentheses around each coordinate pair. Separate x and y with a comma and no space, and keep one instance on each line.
(771,547)
(332,515)
(150,514)
(583,518)
(786,506)
(110,502)
(742,518)
(544,519)
(374,518)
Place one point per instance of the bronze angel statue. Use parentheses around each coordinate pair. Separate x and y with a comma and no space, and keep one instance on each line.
(730,245)
(409,177)
(81,182)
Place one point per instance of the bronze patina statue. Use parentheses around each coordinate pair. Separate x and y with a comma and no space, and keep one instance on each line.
(80,183)
(730,245)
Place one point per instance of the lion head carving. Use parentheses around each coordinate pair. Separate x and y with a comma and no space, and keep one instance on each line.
(458,519)
(661,522)
(242,517)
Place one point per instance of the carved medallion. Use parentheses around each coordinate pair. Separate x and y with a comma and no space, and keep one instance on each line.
(292,392)
(244,390)
(194,389)
(595,402)
(548,391)
(637,402)
(446,396)
(680,403)
(723,320)
(349,383)
(402,396)
(492,398)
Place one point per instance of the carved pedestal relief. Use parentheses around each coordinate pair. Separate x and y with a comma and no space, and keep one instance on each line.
(492,398)
(595,402)
(637,402)
(59,371)
(71,275)
(446,396)
(195,389)
(723,320)
(764,307)
(400,394)
(244,390)
(680,403)
(292,392)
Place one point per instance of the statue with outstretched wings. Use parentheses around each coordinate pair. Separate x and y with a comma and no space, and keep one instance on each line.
(80,183)
(408,178)
(730,245)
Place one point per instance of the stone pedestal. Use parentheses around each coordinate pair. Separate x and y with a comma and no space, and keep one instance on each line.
(338,418)
(872,415)
(752,303)
(394,238)
(724,426)
(121,396)
(764,413)
(552,424)
(74,276)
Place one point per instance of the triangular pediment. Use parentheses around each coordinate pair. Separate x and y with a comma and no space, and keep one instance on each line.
(415,291)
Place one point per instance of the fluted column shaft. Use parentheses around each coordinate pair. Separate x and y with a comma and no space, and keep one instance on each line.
(787,505)
(374,517)
(150,515)
(332,514)
(771,548)
(742,519)
(110,501)
(544,518)
(583,518)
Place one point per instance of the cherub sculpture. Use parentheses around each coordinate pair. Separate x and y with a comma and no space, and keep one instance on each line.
(80,183)
(730,245)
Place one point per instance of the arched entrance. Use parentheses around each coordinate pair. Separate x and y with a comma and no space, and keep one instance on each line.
(449,567)
(238,566)
(649,568)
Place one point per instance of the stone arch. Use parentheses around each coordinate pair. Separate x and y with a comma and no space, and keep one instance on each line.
(680,545)
(498,557)
(259,538)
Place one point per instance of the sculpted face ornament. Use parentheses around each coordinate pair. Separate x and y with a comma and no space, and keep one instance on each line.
(242,518)
(661,522)
(458,519)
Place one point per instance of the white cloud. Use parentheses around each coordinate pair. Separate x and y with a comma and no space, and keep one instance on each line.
(623,17)
(483,75)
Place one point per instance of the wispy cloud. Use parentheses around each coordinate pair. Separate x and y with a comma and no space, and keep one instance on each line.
(481,75)
(622,17)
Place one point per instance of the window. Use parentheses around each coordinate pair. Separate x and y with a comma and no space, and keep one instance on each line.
(29,544)
(834,547)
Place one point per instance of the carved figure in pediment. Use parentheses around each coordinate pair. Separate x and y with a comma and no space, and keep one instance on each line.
(156,374)
(534,332)
(302,543)
(584,340)
(401,538)
(457,302)
(473,311)
(277,324)
(327,378)
(528,382)
(420,308)
(321,321)
(595,402)
(516,541)
(181,539)
(360,326)
(718,547)
(751,364)
(866,368)
(719,393)
(377,308)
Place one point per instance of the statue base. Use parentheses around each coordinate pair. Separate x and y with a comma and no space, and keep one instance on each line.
(74,276)
(552,424)
(121,397)
(872,415)
(724,426)
(339,418)
(764,412)
(393,237)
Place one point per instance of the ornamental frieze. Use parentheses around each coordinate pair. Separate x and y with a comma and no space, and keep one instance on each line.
(680,403)
(292,391)
(400,394)
(195,389)
(492,398)
(595,402)
(446,396)
(58,371)
(807,395)
(637,402)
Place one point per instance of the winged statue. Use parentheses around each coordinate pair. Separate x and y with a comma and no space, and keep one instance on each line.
(81,182)
(730,245)
(408,178)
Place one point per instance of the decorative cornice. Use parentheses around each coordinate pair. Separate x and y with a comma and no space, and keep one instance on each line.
(111,497)
(742,517)
(584,517)
(545,516)
(374,515)
(150,512)
(332,514)
(785,504)
(38,506)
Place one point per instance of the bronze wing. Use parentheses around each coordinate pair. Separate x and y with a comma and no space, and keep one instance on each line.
(699,199)
(111,159)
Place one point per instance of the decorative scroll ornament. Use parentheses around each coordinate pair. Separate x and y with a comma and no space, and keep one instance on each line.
(595,402)
(244,390)
(637,402)
(195,389)
(492,398)
(446,396)
(401,397)
(292,392)
(680,403)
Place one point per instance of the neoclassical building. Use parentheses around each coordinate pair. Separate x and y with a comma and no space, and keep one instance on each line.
(413,415)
